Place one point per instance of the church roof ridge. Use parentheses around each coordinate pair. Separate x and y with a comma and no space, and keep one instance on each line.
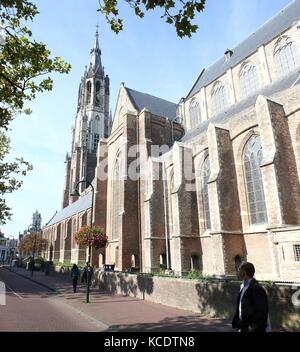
(153,104)
(81,204)
(264,34)
(279,85)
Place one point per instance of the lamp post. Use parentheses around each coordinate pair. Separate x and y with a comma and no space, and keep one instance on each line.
(75,193)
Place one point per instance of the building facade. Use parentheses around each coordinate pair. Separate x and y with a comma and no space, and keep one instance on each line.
(211,181)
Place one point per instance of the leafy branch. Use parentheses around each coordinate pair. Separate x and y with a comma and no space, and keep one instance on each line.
(180,14)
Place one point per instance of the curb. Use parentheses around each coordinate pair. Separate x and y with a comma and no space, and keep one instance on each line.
(35,281)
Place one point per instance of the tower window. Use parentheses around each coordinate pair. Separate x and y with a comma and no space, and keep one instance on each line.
(96,140)
(297,252)
(89,91)
(97,97)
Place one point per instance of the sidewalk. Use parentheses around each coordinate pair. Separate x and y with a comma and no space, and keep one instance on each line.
(123,313)
(54,282)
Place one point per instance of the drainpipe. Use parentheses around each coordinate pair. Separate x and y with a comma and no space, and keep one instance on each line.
(165,213)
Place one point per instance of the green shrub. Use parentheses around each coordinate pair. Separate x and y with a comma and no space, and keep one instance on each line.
(195,275)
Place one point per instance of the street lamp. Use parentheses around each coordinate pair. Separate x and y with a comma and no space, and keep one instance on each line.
(75,193)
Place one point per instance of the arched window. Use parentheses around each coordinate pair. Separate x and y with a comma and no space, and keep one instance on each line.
(89,92)
(249,81)
(286,56)
(97,97)
(205,196)
(116,200)
(195,113)
(252,158)
(219,101)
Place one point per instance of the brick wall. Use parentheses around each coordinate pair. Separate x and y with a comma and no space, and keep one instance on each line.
(216,299)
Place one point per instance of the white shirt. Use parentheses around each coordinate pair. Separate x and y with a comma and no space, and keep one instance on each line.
(243,289)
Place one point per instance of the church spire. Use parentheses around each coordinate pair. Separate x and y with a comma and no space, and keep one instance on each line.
(95,65)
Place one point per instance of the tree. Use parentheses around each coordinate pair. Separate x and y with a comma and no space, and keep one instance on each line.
(25,65)
(33,242)
(23,61)
(179,14)
(8,184)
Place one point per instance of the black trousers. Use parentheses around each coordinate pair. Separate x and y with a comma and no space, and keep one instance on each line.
(74,279)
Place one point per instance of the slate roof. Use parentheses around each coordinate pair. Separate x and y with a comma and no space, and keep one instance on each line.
(155,105)
(272,28)
(284,83)
(83,203)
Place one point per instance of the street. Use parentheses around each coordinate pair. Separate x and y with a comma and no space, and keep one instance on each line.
(32,307)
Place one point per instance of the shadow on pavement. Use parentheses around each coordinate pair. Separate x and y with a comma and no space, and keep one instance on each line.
(181,323)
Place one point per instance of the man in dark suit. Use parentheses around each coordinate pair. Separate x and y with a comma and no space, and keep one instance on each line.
(252,303)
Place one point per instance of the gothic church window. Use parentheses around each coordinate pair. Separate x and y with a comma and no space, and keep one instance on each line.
(89,92)
(205,195)
(97,98)
(116,200)
(252,158)
(249,81)
(286,56)
(195,113)
(219,101)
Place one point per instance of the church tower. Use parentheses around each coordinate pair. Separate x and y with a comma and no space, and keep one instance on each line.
(37,220)
(91,124)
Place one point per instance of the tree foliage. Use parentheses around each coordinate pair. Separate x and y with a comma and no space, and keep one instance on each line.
(180,14)
(9,183)
(33,242)
(23,61)
(25,65)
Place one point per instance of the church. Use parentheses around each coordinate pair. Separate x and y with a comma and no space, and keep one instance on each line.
(202,184)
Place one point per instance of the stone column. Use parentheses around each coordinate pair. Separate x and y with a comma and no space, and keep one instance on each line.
(226,227)
(279,171)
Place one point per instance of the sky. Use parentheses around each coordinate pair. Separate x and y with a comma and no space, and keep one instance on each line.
(147,56)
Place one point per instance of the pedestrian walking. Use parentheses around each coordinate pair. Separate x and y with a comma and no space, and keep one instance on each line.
(252,303)
(87,273)
(75,273)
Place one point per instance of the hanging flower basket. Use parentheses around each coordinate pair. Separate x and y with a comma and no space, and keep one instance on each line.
(91,236)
